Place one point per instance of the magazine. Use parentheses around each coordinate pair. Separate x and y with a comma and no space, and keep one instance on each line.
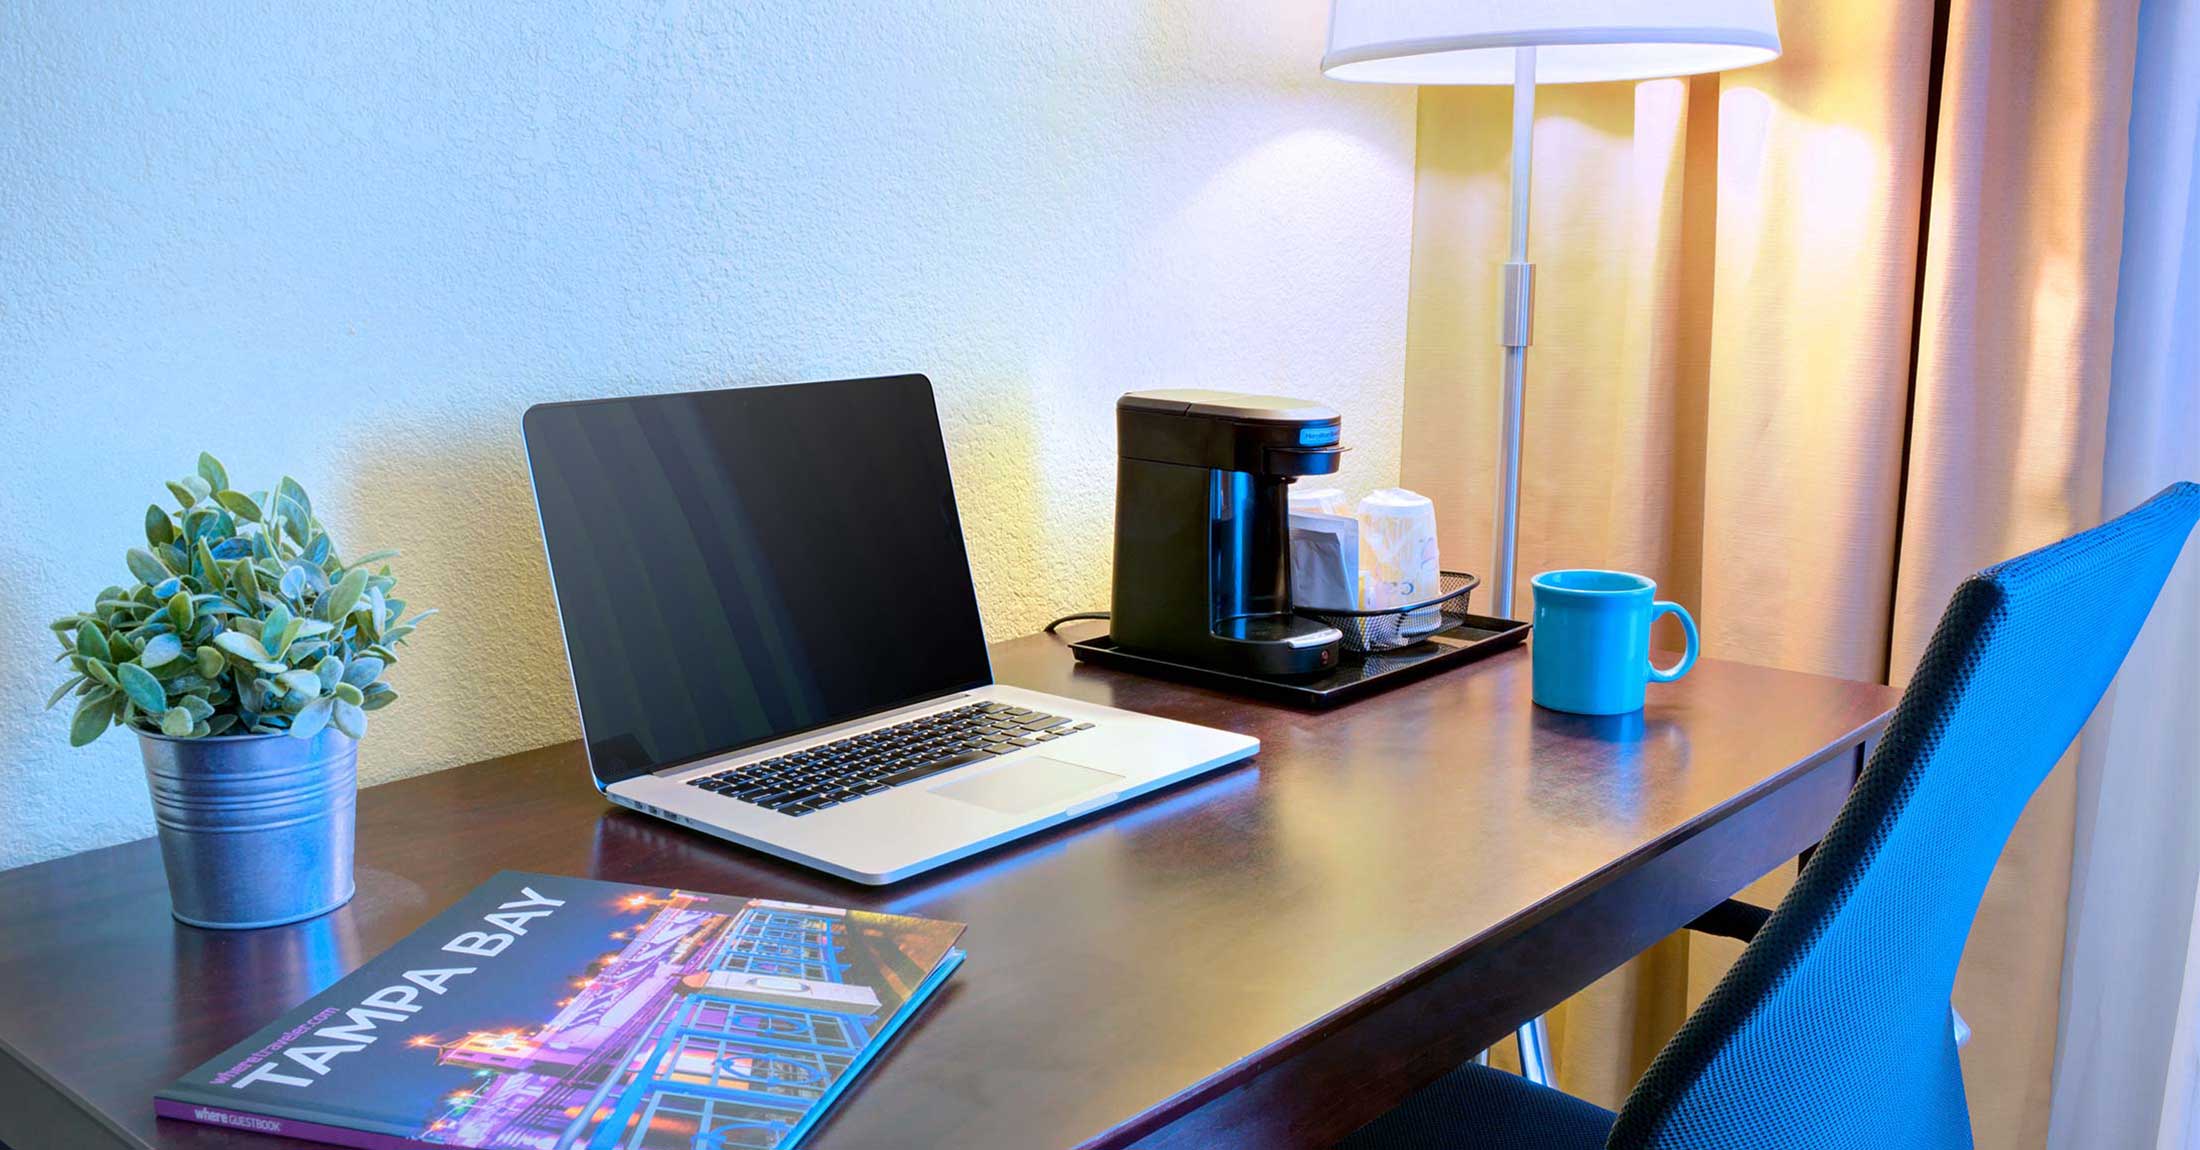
(544,1013)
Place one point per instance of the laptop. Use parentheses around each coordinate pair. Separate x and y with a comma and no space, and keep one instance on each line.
(774,636)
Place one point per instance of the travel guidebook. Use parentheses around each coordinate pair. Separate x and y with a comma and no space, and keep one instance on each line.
(548,1013)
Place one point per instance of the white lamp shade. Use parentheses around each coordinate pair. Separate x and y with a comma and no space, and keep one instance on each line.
(1471,41)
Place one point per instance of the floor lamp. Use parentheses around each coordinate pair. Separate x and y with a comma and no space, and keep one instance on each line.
(1522,43)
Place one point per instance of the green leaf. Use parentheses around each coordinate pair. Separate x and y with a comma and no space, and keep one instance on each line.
(161,649)
(211,470)
(200,709)
(294,522)
(372,557)
(289,489)
(72,684)
(209,660)
(142,564)
(344,596)
(143,688)
(312,717)
(350,694)
(184,498)
(176,722)
(310,576)
(159,529)
(239,504)
(91,642)
(243,587)
(331,671)
(208,568)
(218,723)
(100,673)
(379,695)
(349,718)
(179,610)
(299,681)
(173,671)
(241,646)
(276,634)
(93,716)
(363,670)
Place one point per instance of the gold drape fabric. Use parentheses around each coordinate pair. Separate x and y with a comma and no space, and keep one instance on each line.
(1721,396)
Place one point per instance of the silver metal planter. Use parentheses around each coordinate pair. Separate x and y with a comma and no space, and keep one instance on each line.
(255,830)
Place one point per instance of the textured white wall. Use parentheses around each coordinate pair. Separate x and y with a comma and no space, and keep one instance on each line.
(352,243)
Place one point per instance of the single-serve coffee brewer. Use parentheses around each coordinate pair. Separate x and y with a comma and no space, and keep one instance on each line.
(1202,537)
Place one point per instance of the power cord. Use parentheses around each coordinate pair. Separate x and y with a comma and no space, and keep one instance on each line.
(1073,618)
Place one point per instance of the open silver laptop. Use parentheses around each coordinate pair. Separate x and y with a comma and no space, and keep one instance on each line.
(774,636)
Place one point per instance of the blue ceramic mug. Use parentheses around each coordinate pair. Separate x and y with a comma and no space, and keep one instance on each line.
(1592,641)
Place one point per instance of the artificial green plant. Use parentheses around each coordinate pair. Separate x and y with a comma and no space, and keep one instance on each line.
(240,619)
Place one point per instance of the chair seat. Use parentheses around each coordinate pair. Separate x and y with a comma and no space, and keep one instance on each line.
(1477,1108)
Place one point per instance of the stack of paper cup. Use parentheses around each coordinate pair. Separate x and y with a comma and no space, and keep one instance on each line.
(1318,501)
(1398,559)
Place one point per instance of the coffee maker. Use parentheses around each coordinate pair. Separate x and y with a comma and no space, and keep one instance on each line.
(1202,532)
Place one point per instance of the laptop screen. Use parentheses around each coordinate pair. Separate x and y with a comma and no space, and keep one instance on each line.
(736,566)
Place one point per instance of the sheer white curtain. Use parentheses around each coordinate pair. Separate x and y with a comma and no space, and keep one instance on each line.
(2127,1066)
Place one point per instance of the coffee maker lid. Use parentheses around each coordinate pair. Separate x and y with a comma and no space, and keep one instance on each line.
(1228,405)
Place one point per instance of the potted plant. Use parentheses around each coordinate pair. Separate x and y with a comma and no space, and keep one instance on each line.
(245,653)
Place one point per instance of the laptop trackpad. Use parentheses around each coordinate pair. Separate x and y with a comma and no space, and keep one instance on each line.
(1027,784)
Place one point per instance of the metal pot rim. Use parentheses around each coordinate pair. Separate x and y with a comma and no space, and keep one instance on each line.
(205,739)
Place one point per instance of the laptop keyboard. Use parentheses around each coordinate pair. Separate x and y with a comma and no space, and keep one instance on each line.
(858,766)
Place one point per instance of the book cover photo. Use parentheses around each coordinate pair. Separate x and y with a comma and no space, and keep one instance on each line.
(547,1013)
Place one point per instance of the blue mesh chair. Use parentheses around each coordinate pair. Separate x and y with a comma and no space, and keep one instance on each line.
(1833,1028)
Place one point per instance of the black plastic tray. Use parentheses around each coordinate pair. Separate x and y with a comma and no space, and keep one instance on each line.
(1357,676)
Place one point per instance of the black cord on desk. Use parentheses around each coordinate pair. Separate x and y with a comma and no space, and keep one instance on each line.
(1073,618)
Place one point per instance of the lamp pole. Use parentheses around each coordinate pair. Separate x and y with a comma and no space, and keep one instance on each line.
(1515,323)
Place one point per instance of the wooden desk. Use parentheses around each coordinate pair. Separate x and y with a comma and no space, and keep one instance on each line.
(1265,957)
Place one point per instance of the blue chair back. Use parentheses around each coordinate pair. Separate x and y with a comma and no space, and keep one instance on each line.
(1832,1029)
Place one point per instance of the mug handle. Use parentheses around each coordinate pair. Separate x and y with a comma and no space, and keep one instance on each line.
(1688,656)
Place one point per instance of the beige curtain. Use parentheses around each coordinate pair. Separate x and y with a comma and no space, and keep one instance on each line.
(1724,393)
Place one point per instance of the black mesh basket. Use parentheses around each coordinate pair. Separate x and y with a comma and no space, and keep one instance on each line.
(1393,627)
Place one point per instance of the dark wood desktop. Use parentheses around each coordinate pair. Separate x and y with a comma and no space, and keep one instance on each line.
(1266,957)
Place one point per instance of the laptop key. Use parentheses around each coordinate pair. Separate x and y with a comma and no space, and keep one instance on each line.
(934,767)
(1025,742)
(796,809)
(1042,722)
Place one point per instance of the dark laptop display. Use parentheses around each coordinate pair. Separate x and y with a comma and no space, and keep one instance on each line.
(735,566)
